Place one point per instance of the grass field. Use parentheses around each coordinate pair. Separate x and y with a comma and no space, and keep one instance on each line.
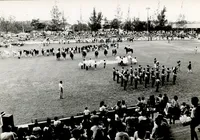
(29,86)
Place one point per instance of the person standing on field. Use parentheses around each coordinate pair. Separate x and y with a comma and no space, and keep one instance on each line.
(61,89)
(190,67)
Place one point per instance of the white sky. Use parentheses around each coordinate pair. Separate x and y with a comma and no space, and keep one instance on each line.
(29,9)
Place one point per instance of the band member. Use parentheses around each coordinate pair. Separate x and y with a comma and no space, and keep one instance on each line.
(155,60)
(135,71)
(18,54)
(122,71)
(127,74)
(168,74)
(136,78)
(174,78)
(157,65)
(125,79)
(143,73)
(145,80)
(148,75)
(131,70)
(114,74)
(140,68)
(163,78)
(140,77)
(117,73)
(153,78)
(174,69)
(157,74)
(42,51)
(104,64)
(95,65)
(131,78)
(84,65)
(163,69)
(157,84)
(122,80)
(179,65)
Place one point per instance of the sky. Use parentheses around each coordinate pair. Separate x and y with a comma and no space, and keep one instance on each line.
(24,10)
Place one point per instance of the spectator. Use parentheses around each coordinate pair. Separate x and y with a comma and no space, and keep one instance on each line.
(161,129)
(8,134)
(48,130)
(175,109)
(37,131)
(141,133)
(86,111)
(122,136)
(195,116)
(56,122)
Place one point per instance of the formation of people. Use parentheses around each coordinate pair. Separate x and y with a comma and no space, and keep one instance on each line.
(158,75)
(60,52)
(87,64)
(125,60)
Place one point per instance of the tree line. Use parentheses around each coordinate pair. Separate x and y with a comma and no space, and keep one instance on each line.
(96,21)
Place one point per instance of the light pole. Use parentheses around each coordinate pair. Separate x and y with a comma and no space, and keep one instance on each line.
(148,21)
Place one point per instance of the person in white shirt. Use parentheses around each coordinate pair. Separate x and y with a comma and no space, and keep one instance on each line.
(61,90)
(86,111)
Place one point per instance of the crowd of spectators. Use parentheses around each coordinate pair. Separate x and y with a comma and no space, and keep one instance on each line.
(149,120)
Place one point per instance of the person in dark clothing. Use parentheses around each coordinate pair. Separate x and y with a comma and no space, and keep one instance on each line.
(195,115)
(145,80)
(131,79)
(153,79)
(114,74)
(125,79)
(174,78)
(122,80)
(148,75)
(163,78)
(117,73)
(157,84)
(136,80)
(168,74)
(190,67)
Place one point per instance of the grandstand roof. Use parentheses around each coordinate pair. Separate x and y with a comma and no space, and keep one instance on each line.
(187,26)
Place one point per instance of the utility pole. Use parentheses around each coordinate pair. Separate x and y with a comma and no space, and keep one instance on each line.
(148,21)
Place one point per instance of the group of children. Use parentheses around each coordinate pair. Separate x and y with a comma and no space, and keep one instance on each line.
(86,64)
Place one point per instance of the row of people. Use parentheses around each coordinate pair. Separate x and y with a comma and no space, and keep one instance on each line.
(140,75)
(87,64)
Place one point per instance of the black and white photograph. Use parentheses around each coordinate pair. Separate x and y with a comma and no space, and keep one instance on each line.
(99,70)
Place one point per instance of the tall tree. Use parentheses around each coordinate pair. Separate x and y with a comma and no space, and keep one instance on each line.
(80,27)
(115,23)
(95,20)
(161,19)
(139,25)
(106,24)
(181,21)
(63,21)
(128,25)
(56,18)
(4,25)
(37,24)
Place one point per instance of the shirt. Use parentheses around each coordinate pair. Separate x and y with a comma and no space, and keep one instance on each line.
(86,112)
(60,86)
